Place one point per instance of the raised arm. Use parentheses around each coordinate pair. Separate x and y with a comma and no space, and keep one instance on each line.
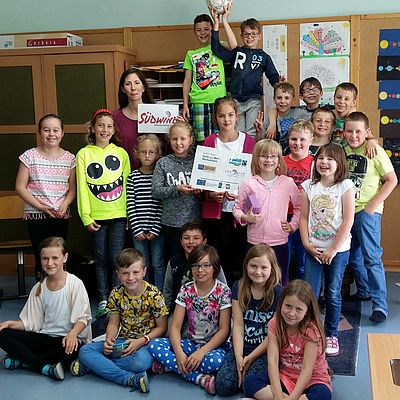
(187,83)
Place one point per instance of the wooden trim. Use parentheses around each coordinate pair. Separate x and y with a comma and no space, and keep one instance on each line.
(127,37)
(355,50)
(380,16)
(66,50)
(391,265)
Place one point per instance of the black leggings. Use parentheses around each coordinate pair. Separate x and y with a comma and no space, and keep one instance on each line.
(35,349)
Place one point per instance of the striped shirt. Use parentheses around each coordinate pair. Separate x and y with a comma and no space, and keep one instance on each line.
(144,212)
(48,180)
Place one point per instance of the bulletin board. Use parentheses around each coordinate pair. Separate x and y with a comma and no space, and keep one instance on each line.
(370,26)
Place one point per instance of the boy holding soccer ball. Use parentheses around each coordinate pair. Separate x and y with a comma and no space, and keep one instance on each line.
(248,65)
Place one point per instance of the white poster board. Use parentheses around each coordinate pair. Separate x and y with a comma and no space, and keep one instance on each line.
(156,118)
(219,170)
(274,44)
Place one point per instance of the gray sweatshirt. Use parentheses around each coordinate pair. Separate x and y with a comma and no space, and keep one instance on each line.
(178,208)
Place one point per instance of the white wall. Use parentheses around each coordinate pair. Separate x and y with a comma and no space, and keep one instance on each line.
(48,15)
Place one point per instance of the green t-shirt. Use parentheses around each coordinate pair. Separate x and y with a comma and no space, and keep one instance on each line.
(208,82)
(366,174)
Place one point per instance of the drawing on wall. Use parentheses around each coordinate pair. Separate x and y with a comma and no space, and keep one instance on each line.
(330,72)
(389,95)
(388,68)
(325,39)
(392,148)
(274,44)
(389,42)
(390,124)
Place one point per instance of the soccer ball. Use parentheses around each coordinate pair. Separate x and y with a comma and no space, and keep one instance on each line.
(218,5)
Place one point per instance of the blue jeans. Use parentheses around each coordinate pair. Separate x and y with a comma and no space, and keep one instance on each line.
(366,259)
(296,246)
(333,285)
(153,252)
(116,370)
(108,242)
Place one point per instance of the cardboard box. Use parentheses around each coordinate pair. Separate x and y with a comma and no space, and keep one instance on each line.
(41,40)
(7,42)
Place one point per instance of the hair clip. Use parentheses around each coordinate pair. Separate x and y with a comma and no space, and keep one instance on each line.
(100,111)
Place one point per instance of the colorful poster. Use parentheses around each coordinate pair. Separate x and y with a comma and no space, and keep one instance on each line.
(389,42)
(329,71)
(390,124)
(274,44)
(156,118)
(389,95)
(388,68)
(392,148)
(325,39)
(219,170)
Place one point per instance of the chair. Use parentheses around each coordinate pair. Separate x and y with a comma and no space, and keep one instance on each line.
(12,207)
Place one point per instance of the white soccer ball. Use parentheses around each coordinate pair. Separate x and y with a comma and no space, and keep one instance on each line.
(218,5)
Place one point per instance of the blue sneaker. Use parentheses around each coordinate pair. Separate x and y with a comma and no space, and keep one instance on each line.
(102,310)
(54,371)
(139,381)
(12,363)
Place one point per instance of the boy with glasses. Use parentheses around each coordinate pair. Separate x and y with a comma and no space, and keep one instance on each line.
(248,65)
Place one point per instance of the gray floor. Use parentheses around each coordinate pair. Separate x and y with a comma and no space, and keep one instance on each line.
(23,384)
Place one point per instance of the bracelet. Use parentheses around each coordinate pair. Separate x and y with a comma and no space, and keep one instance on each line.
(146,339)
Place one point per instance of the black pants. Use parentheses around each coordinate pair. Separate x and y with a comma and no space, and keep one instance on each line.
(40,229)
(230,240)
(35,349)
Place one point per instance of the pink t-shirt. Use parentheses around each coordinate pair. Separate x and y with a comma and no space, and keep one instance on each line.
(291,357)
(48,180)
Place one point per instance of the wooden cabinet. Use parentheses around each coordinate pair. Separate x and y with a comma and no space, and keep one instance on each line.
(69,81)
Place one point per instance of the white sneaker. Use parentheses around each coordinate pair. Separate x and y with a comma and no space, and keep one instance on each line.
(332,346)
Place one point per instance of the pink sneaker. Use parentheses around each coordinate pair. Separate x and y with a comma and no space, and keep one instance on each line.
(208,383)
(157,368)
(332,346)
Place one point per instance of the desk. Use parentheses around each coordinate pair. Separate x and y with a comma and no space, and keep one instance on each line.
(12,207)
(381,349)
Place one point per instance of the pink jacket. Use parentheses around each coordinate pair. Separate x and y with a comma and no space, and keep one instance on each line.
(274,204)
(212,209)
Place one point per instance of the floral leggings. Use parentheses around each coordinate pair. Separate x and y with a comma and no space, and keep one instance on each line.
(161,349)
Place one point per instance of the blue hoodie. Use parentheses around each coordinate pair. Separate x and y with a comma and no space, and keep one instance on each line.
(248,66)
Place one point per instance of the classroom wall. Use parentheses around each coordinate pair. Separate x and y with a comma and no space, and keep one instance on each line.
(48,15)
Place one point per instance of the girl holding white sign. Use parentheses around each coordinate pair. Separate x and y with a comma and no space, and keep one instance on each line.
(223,232)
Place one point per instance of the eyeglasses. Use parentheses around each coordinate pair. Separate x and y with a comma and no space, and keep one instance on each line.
(268,156)
(311,90)
(250,34)
(202,266)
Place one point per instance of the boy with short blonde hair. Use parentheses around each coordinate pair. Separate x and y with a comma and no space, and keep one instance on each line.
(299,163)
(374,179)
(287,115)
